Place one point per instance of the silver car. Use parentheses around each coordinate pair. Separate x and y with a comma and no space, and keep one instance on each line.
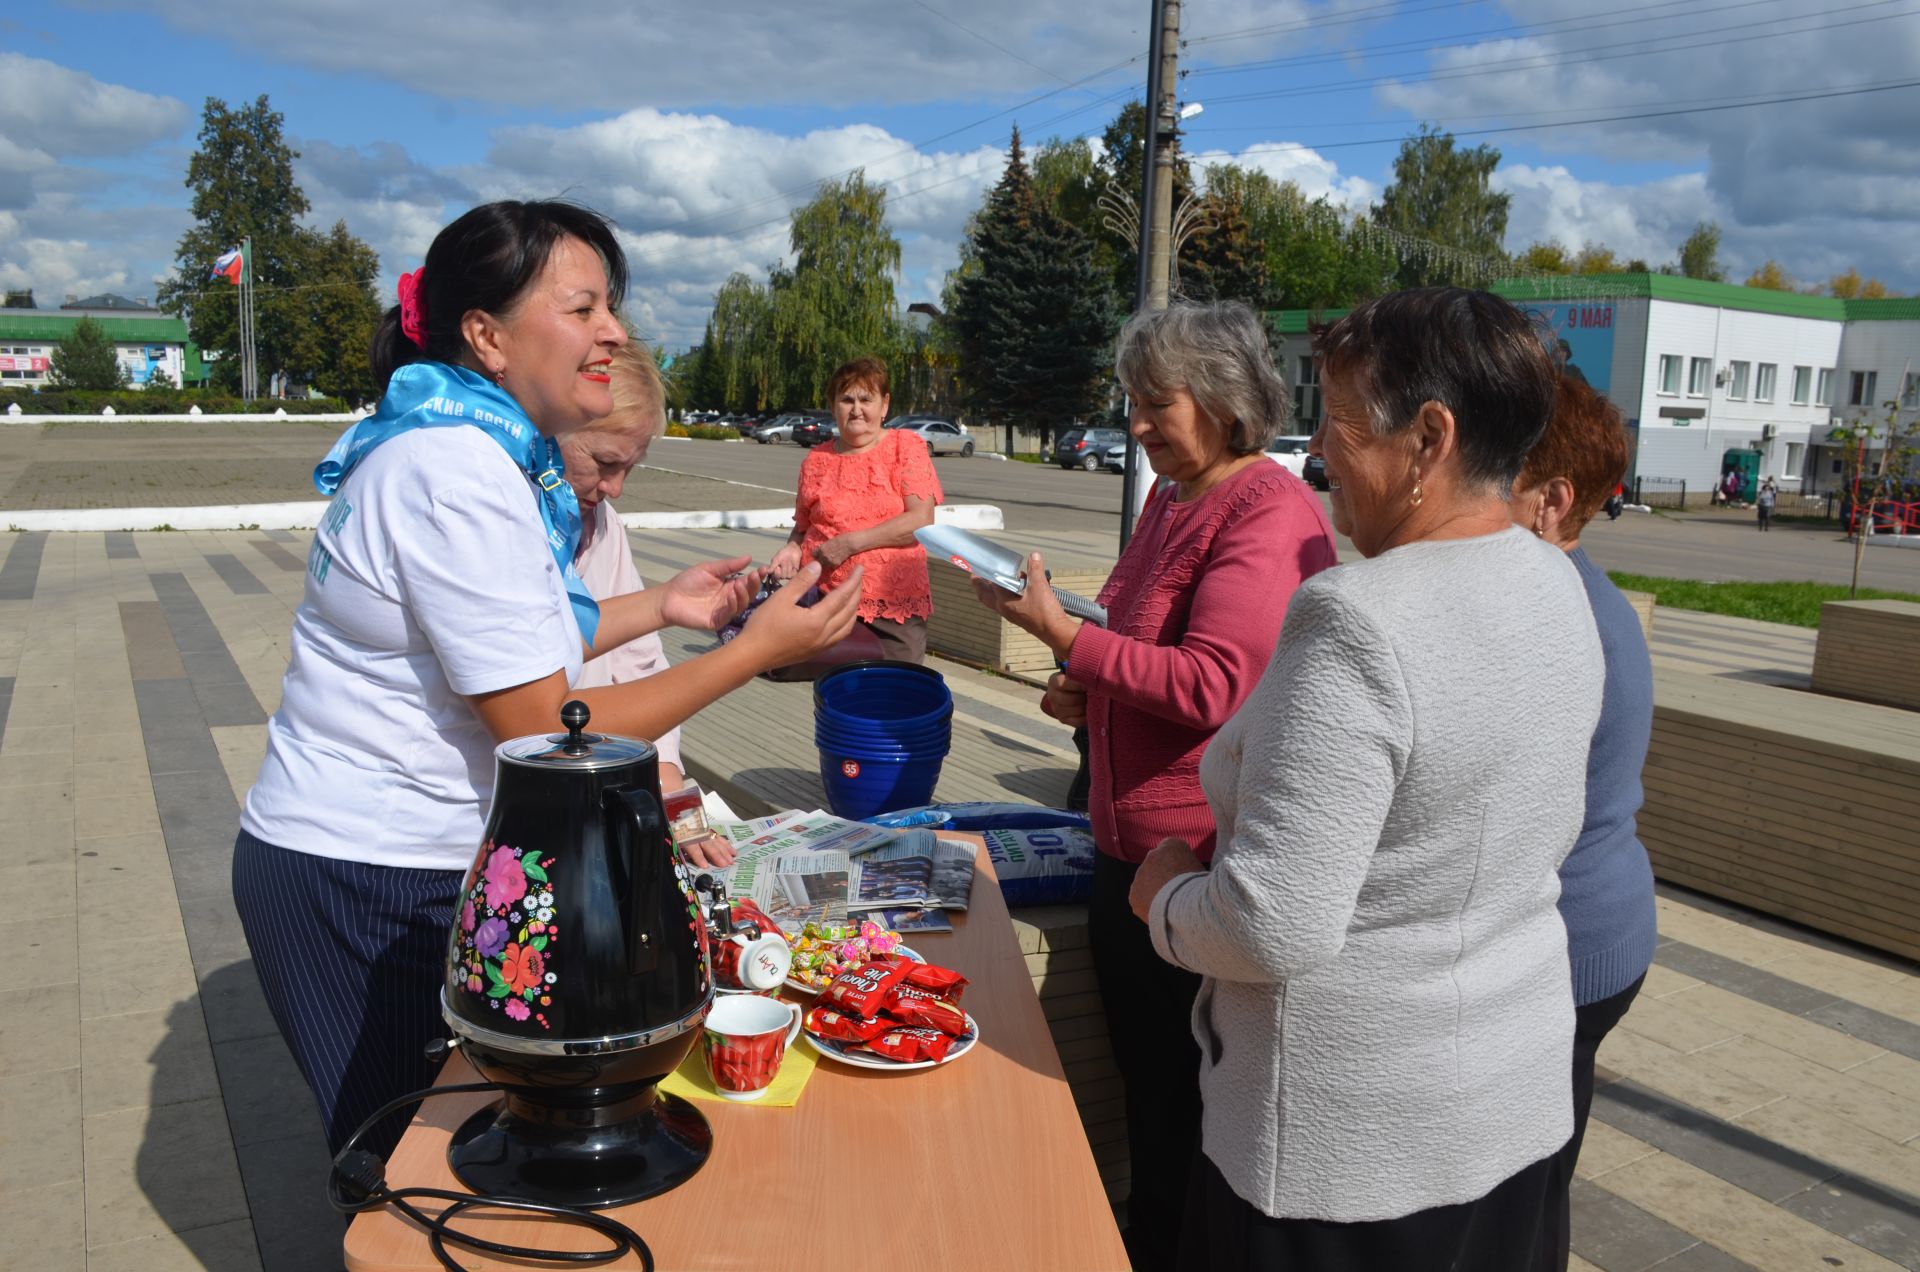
(942,436)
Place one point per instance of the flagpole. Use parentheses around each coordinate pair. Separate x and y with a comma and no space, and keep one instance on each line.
(249,377)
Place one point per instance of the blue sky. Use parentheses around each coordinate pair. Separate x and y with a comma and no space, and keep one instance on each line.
(700,126)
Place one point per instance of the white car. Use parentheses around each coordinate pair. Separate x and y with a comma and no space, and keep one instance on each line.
(1290,453)
(942,436)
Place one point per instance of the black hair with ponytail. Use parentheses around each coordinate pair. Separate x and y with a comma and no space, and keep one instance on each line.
(486,260)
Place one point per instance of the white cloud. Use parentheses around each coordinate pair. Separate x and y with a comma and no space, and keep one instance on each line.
(1315,174)
(1816,184)
(53,110)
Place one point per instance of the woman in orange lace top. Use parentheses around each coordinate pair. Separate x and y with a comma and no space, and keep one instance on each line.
(863,496)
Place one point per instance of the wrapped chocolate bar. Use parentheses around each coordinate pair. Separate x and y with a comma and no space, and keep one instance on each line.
(837,1026)
(943,981)
(912,1005)
(910,1045)
(863,990)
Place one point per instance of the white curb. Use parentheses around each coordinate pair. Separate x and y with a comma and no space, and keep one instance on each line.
(305,515)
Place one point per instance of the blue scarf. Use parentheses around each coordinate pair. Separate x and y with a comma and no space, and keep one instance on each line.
(437,395)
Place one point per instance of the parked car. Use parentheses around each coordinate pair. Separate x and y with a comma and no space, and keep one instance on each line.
(812,430)
(1083,447)
(1314,472)
(942,436)
(780,427)
(1290,453)
(1114,458)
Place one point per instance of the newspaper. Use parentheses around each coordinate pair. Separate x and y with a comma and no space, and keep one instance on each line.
(797,867)
(919,871)
(814,867)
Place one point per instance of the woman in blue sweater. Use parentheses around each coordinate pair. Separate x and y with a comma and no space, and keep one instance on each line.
(1606,883)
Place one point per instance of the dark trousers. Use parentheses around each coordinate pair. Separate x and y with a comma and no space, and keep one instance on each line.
(1591,1024)
(350,957)
(1500,1232)
(1149,1006)
(1766,518)
(902,639)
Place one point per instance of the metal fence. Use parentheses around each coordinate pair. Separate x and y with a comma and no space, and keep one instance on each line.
(1660,492)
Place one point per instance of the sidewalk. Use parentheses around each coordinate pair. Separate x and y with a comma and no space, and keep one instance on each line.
(1762,1107)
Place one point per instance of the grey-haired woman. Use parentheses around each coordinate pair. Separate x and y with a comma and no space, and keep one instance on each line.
(1194,608)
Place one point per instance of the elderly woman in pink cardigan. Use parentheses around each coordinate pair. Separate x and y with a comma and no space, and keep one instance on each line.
(1194,609)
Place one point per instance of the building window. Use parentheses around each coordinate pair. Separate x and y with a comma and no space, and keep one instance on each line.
(1669,374)
(1737,380)
(1910,391)
(1802,384)
(1796,452)
(1306,395)
(1763,378)
(1823,395)
(1861,386)
(1699,377)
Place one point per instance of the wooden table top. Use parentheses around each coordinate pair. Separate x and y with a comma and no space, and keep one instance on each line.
(978,1163)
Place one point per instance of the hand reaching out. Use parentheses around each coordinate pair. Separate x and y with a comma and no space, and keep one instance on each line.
(783,633)
(1035,611)
(707,595)
(786,561)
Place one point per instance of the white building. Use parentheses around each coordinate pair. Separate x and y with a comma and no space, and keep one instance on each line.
(1699,369)
(150,345)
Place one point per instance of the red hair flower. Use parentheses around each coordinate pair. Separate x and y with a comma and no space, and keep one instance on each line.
(413,306)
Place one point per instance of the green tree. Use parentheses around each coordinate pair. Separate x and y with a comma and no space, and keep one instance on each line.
(1033,318)
(330,319)
(1770,277)
(18,299)
(314,304)
(836,301)
(1443,194)
(85,360)
(740,343)
(1596,258)
(1222,260)
(1700,254)
(1312,260)
(1850,286)
(1545,257)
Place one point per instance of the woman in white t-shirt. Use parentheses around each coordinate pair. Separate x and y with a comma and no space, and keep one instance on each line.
(443,615)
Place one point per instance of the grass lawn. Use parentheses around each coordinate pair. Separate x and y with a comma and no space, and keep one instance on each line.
(1795,603)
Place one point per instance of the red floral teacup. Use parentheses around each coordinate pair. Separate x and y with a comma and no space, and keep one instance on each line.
(752,961)
(747,1037)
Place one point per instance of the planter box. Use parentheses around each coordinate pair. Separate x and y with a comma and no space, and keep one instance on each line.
(1869,650)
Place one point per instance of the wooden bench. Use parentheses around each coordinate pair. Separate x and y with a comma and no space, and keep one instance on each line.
(1643,603)
(1788,802)
(1869,650)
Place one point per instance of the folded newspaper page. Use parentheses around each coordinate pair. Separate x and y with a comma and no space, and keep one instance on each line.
(918,871)
(814,867)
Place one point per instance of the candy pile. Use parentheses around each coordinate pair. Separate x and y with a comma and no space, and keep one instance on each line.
(824,950)
(894,1010)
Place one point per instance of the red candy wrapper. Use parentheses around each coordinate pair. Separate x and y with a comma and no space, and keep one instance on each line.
(836,1026)
(863,990)
(910,1045)
(943,981)
(912,1005)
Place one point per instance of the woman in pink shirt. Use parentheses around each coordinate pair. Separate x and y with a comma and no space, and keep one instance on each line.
(860,500)
(1194,608)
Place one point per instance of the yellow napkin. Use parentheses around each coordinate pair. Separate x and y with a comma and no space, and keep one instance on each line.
(693,1081)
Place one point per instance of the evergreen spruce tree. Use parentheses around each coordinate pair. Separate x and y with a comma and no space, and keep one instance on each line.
(85,360)
(1033,316)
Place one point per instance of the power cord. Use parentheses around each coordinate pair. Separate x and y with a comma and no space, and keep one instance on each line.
(358,1183)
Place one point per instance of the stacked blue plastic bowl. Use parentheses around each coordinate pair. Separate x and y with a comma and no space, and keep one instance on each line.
(883,729)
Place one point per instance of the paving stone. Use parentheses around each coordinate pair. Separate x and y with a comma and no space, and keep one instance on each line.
(1615,1233)
(1734,1153)
(234,1006)
(146,974)
(1604,1149)
(286,1185)
(36,770)
(47,953)
(229,703)
(146,1058)
(1736,1221)
(1842,1094)
(236,575)
(159,1170)
(1804,1037)
(1731,974)
(213,929)
(120,546)
(220,1247)
(1889,1033)
(44,1228)
(1683,1031)
(42,1029)
(40,1129)
(46,739)
(1694,1080)
(1704,1258)
(1882,1220)
(1805,1127)
(266,1097)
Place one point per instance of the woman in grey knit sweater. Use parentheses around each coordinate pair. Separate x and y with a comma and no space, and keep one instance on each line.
(1385,1018)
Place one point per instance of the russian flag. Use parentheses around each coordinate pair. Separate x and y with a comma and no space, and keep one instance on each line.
(230,266)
